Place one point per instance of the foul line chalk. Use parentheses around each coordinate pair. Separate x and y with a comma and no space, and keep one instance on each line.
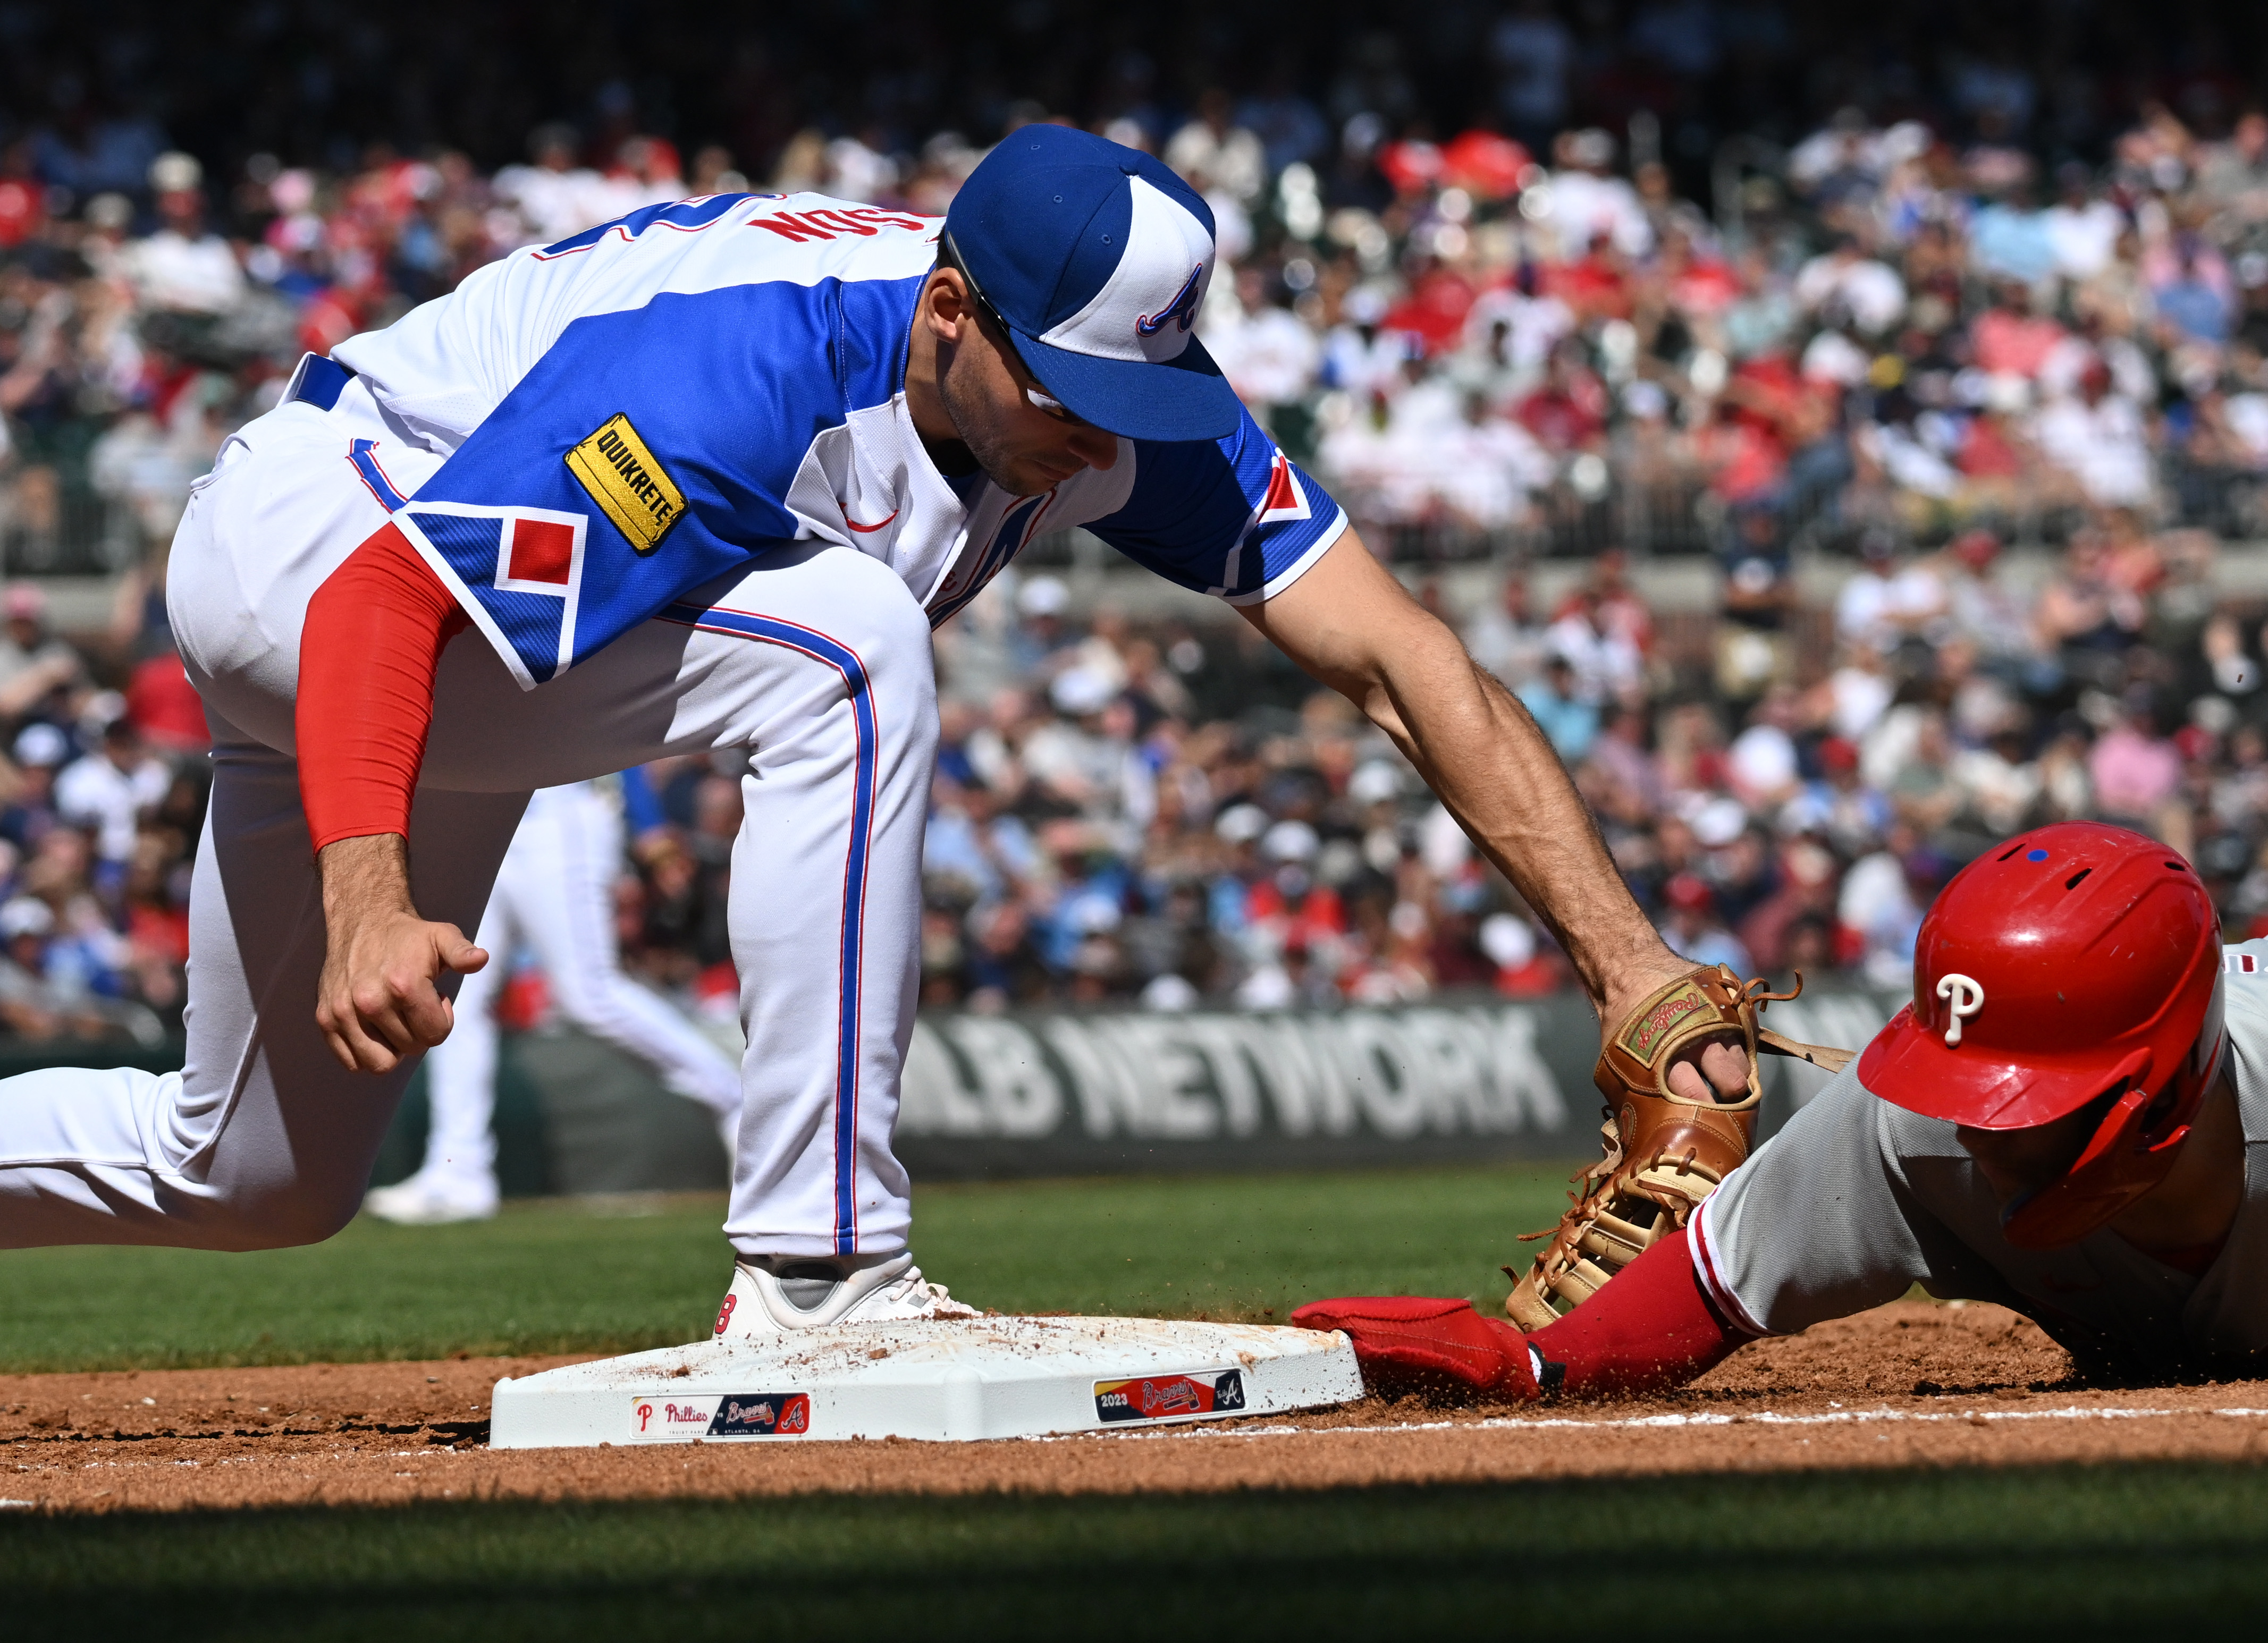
(1848,1417)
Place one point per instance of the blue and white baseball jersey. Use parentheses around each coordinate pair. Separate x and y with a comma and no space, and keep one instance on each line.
(636,411)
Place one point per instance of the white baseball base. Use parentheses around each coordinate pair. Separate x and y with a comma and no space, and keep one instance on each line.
(993,1377)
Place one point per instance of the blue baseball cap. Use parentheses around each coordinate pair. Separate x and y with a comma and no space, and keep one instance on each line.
(1096,258)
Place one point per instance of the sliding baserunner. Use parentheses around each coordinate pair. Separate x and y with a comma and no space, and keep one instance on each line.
(2071,1119)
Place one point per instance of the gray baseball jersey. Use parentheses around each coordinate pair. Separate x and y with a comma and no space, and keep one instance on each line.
(1856,1200)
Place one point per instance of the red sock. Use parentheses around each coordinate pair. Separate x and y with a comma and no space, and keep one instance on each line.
(1651,1329)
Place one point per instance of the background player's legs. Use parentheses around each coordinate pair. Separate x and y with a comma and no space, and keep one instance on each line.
(555,893)
(264,1139)
(457,1180)
(560,881)
(461,1071)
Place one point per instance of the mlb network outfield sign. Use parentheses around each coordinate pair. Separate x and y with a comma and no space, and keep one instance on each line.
(987,1095)
(1093,1093)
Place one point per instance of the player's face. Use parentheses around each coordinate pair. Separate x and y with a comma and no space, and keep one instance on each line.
(1023,440)
(2017,1161)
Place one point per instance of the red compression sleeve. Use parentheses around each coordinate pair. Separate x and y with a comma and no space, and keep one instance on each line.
(1648,1330)
(367,656)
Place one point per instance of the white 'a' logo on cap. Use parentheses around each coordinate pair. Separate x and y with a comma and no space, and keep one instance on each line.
(1967,996)
(1145,309)
(1182,311)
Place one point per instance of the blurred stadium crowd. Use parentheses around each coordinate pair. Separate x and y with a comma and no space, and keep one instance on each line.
(2013,295)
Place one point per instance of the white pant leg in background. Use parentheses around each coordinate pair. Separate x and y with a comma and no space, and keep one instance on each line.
(814,667)
(461,1145)
(561,893)
(554,893)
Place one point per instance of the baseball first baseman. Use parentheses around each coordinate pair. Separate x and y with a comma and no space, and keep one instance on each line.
(701,480)
(554,893)
(2069,1120)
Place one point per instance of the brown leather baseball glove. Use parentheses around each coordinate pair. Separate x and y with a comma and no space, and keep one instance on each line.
(1664,1153)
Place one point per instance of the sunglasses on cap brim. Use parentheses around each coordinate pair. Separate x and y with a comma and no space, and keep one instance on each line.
(949,256)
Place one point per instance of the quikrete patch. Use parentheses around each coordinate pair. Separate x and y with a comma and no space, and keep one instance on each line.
(626,479)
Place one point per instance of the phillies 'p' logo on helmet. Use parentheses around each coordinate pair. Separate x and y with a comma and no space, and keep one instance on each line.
(2075,966)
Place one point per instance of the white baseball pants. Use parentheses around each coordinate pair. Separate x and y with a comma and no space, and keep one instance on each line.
(556,894)
(812,669)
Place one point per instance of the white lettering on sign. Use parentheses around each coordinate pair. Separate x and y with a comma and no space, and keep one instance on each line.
(1396,1073)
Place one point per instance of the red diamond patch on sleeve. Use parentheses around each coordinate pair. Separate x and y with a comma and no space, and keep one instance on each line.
(541,551)
(1285,500)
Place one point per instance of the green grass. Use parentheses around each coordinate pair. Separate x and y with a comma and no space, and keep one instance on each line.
(570,1276)
(2107,1551)
(2066,1552)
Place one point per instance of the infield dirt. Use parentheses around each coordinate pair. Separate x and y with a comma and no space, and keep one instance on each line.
(1908,1384)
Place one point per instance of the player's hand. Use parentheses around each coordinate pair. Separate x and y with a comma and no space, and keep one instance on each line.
(1714,1069)
(377,1002)
(1411,1344)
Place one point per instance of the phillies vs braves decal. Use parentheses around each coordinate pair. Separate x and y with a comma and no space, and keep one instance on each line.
(1170,1396)
(734,1415)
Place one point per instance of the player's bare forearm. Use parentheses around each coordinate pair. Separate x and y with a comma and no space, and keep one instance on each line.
(1350,624)
(377,1002)
(1485,757)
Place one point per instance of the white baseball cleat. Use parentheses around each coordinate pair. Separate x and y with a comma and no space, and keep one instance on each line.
(795,1292)
(424,1201)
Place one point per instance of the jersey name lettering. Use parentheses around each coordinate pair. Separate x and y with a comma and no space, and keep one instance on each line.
(624,478)
(827,223)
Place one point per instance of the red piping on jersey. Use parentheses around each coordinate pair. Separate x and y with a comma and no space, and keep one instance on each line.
(878,524)
(1712,1282)
(368,450)
(368,653)
(1651,1329)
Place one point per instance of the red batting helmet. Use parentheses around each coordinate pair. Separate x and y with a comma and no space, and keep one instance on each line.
(2076,965)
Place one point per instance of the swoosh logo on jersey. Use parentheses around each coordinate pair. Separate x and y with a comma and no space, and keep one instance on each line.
(865,530)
